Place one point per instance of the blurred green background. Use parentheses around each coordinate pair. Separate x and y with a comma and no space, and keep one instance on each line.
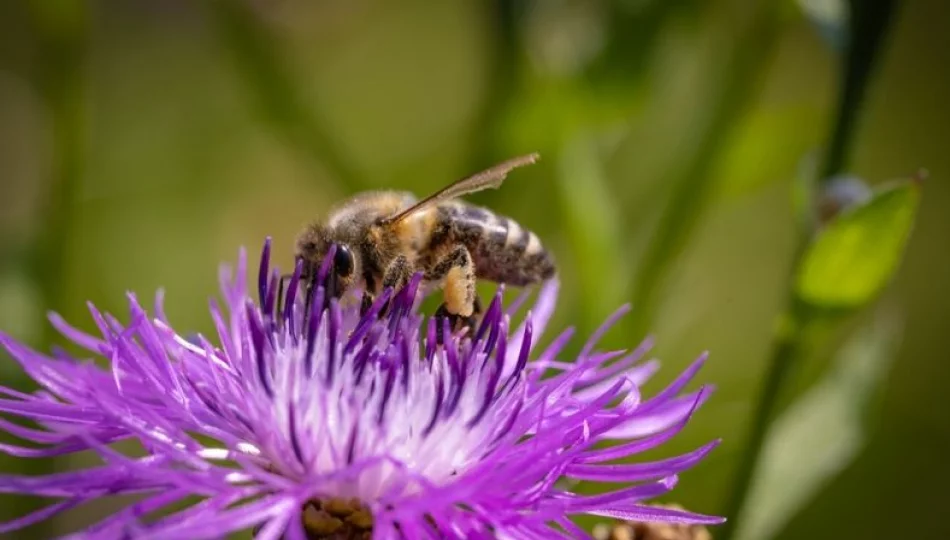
(141,143)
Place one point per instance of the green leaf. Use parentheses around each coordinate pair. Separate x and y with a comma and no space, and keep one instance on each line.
(767,144)
(821,433)
(857,253)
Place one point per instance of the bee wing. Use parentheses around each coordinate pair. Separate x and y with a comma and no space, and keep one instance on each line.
(488,179)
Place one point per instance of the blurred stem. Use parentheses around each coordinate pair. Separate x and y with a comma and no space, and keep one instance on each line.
(258,59)
(869,23)
(784,352)
(590,217)
(60,30)
(501,85)
(693,186)
(870,20)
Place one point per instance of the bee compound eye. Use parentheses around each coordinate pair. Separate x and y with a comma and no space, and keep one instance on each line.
(343,261)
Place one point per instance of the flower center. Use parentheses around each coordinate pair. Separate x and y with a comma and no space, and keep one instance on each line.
(337,519)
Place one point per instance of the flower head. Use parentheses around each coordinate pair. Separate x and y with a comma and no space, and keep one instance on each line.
(304,419)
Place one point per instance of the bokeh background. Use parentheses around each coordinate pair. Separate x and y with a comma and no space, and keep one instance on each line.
(141,143)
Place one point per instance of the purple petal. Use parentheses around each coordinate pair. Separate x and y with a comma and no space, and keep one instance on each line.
(234,519)
(643,513)
(634,493)
(661,418)
(640,471)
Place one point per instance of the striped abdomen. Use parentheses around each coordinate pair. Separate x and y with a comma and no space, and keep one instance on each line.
(502,250)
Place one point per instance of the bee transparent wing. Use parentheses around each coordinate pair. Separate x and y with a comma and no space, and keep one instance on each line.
(491,178)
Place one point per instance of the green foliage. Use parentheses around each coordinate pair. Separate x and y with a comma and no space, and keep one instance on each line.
(260,62)
(821,433)
(841,268)
(856,254)
(592,220)
(61,29)
(767,143)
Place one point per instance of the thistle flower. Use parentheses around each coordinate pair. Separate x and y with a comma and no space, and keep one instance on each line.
(304,419)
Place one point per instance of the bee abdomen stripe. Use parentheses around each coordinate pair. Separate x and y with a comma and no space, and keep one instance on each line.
(499,232)
(514,234)
(524,240)
(534,245)
(475,214)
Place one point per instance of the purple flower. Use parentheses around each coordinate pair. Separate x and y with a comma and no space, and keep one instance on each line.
(303,419)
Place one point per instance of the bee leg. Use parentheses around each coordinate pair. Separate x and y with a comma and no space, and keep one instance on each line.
(442,314)
(397,276)
(369,294)
(460,305)
(477,305)
(365,303)
(456,322)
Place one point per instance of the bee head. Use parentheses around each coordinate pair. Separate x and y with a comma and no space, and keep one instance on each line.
(313,245)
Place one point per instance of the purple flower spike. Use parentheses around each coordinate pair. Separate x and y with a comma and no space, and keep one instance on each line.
(311,421)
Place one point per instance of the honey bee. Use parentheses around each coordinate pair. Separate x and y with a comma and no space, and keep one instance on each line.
(384,237)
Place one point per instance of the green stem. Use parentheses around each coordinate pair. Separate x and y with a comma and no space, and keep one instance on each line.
(693,186)
(869,24)
(502,80)
(258,58)
(871,19)
(784,353)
